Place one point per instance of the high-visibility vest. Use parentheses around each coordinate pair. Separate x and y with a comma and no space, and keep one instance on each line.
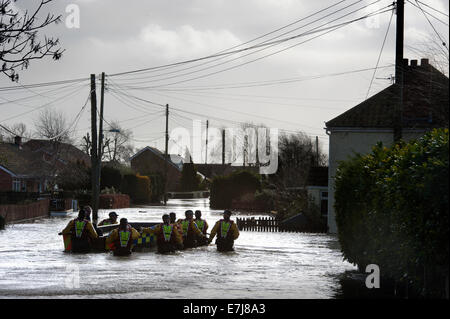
(124,237)
(167,232)
(79,228)
(225,228)
(185,226)
(200,224)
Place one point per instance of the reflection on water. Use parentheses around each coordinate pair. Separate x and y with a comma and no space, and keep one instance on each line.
(264,265)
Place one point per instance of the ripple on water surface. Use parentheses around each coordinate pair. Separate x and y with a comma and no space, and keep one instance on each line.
(264,265)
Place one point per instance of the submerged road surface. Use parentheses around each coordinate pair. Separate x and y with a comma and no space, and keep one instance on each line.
(264,265)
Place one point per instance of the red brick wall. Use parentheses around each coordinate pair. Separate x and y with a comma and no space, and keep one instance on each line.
(27,211)
(112,201)
(5,181)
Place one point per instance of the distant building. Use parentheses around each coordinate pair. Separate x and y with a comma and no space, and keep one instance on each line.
(30,166)
(212,170)
(150,161)
(317,188)
(426,98)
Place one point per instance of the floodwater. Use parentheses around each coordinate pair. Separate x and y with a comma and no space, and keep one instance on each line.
(264,264)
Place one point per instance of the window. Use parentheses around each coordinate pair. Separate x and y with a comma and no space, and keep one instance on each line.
(16,185)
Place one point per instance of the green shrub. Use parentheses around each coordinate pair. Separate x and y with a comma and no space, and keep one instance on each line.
(226,188)
(392,210)
(110,177)
(137,187)
(143,190)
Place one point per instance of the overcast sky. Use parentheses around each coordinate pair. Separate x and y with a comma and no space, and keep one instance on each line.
(118,36)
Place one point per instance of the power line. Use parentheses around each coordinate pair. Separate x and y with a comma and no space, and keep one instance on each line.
(262,83)
(333,28)
(379,55)
(226,50)
(223,52)
(268,45)
(265,44)
(437,33)
(44,105)
(40,85)
(426,5)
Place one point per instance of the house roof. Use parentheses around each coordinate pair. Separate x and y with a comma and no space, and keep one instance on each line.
(66,152)
(28,160)
(22,162)
(425,102)
(175,160)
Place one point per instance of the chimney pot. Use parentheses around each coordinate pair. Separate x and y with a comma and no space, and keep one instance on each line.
(424,62)
(413,62)
(405,62)
(18,140)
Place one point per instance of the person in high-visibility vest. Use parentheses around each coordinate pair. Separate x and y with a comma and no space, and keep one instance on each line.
(173,221)
(112,220)
(203,226)
(226,231)
(81,232)
(88,210)
(120,240)
(168,239)
(190,230)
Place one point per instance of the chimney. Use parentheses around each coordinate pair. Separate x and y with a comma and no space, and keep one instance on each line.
(18,140)
(424,62)
(413,63)
(405,63)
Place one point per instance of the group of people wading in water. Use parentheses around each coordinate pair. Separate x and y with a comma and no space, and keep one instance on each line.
(171,235)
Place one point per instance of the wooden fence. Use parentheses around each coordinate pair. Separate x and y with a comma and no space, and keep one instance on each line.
(267,224)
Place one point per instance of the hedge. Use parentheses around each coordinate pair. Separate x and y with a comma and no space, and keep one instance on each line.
(226,188)
(137,187)
(392,210)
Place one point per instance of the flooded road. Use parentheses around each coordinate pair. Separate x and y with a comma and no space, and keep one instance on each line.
(264,264)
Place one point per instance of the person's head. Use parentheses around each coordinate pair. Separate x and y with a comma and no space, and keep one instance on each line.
(189,214)
(113,216)
(227,214)
(198,214)
(173,217)
(123,223)
(81,214)
(88,211)
(166,219)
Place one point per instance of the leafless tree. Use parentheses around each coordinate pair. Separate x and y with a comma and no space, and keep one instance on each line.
(297,154)
(117,145)
(18,129)
(52,124)
(19,37)
(432,48)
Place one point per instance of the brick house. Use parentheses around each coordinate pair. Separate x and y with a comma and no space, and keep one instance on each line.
(425,106)
(30,166)
(150,161)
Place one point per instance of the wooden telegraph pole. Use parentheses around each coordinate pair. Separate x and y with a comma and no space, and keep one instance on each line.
(223,146)
(399,68)
(94,151)
(206,152)
(166,154)
(100,142)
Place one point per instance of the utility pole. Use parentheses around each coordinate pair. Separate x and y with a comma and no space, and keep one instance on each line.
(206,152)
(399,68)
(223,146)
(100,140)
(166,154)
(317,151)
(94,153)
